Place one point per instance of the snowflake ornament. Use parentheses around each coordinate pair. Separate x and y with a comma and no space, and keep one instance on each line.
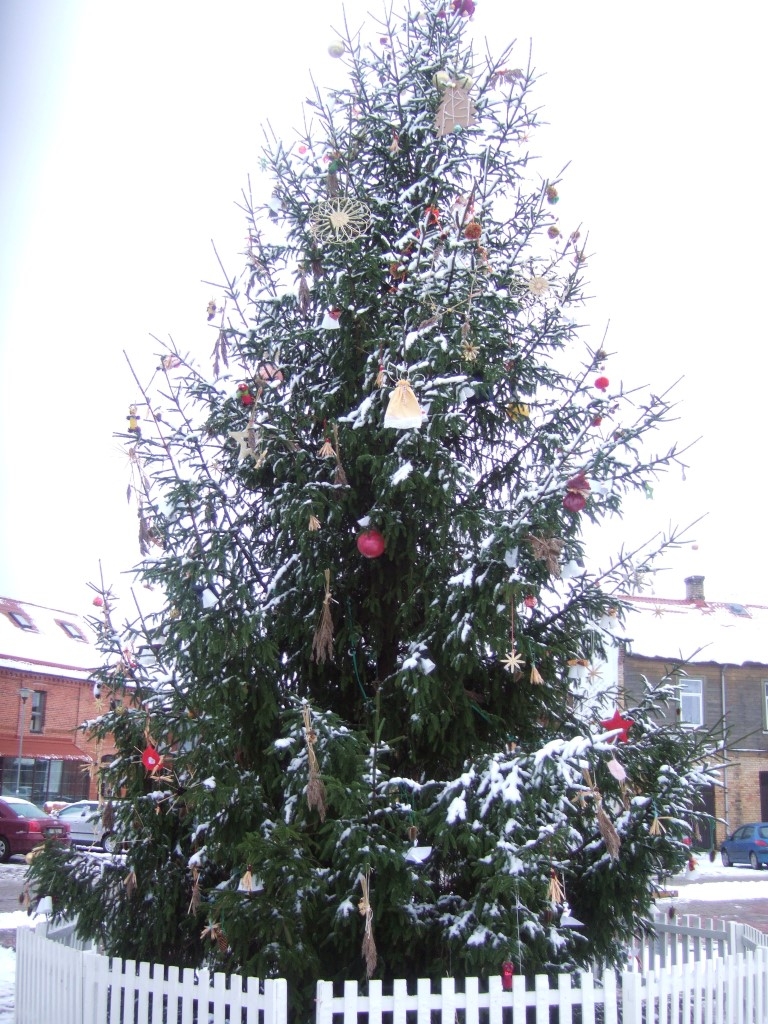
(339,220)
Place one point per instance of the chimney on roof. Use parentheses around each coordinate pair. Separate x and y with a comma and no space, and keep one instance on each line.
(694,588)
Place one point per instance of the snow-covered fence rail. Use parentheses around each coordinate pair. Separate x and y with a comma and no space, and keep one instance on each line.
(733,990)
(55,982)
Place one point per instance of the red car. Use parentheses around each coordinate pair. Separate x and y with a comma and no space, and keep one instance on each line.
(23,826)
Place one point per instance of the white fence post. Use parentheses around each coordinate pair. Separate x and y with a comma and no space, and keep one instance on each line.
(631,997)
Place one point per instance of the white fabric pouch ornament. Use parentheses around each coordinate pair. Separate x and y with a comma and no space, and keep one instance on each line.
(331,320)
(403,411)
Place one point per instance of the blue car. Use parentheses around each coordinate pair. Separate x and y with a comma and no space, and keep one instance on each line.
(747,845)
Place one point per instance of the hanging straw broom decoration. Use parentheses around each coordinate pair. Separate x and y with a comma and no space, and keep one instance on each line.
(322,644)
(364,906)
(130,883)
(194,902)
(340,477)
(555,890)
(315,786)
(610,836)
(314,523)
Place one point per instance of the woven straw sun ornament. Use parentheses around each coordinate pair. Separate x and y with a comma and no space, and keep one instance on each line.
(339,220)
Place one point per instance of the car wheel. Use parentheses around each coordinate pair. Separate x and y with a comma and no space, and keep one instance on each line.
(5,850)
(110,842)
(754,861)
(725,859)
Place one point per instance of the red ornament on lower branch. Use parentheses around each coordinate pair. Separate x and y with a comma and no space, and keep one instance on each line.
(151,759)
(507,975)
(371,544)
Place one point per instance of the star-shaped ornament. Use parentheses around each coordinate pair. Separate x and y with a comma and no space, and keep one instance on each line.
(594,672)
(658,611)
(246,439)
(513,662)
(619,725)
(469,352)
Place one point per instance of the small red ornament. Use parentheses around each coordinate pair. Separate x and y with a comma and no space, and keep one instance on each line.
(371,544)
(244,394)
(98,602)
(623,725)
(473,231)
(596,421)
(529,601)
(150,758)
(433,216)
(578,488)
(464,7)
(507,975)
(302,150)
(553,231)
(602,383)
(574,502)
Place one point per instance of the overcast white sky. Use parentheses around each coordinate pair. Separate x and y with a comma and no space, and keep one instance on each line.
(129,129)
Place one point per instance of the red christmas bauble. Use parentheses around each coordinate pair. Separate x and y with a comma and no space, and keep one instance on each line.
(596,421)
(507,975)
(371,544)
(98,602)
(529,601)
(602,383)
(150,758)
(574,501)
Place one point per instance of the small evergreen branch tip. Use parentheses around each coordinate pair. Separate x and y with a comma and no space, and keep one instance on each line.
(369,945)
(315,785)
(322,644)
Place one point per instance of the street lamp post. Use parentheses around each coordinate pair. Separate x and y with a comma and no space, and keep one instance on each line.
(25,693)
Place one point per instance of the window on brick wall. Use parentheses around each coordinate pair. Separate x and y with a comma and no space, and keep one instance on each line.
(691,701)
(37,718)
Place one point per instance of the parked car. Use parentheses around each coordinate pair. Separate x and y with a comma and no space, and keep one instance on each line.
(23,826)
(747,845)
(86,827)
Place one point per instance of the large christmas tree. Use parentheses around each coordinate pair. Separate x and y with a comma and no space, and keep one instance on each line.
(366,734)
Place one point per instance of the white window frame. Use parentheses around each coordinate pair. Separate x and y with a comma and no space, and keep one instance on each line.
(694,689)
(765,705)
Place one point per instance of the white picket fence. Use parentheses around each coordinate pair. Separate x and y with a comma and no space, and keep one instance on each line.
(59,984)
(720,991)
(690,972)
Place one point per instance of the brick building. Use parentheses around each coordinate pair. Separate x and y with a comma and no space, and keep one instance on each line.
(723,686)
(46,657)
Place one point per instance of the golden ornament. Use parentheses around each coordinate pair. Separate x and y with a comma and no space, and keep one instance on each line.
(538,285)
(403,411)
(456,110)
(339,220)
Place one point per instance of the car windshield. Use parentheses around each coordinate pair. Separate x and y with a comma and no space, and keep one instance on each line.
(24,809)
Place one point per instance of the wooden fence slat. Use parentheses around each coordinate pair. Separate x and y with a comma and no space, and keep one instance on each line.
(472,1000)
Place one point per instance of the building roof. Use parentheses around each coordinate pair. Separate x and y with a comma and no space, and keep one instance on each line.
(39,639)
(696,631)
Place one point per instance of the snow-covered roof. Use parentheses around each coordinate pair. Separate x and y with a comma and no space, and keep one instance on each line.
(42,639)
(697,630)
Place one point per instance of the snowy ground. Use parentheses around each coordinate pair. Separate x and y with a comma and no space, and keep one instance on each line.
(709,881)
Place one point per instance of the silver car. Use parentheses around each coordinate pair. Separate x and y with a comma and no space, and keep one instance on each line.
(86,827)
